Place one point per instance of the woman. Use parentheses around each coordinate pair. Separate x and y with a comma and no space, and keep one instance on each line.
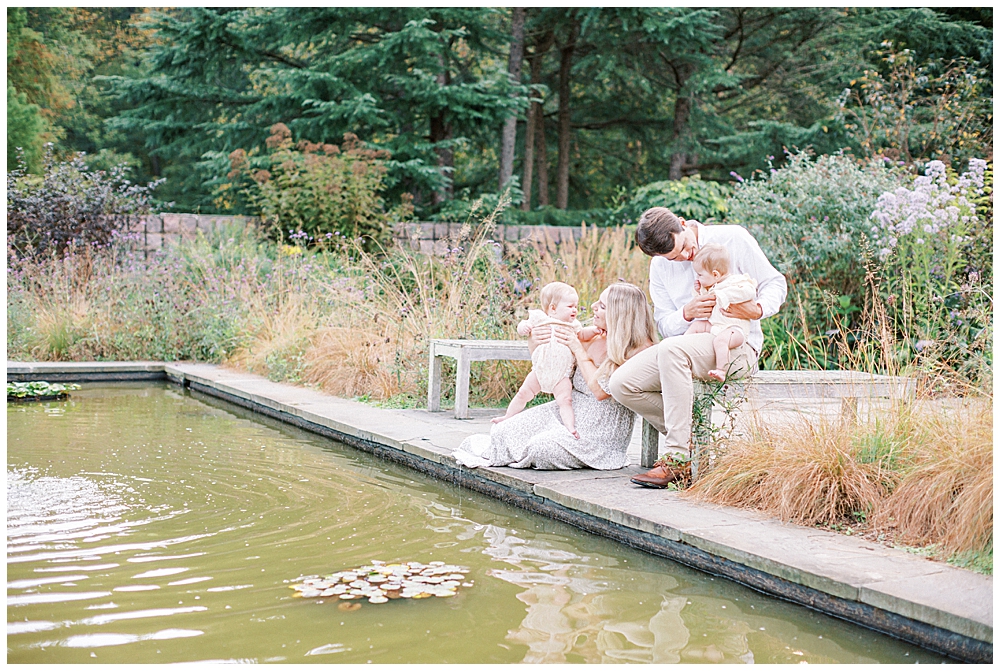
(537,437)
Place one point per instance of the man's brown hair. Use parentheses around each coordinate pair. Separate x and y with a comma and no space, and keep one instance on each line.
(656,229)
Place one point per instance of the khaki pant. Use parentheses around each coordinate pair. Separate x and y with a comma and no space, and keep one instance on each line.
(657,382)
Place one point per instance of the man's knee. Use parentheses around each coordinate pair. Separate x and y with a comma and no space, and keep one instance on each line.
(671,353)
(616,385)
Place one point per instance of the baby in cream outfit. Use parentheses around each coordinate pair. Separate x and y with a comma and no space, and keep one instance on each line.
(711,264)
(552,363)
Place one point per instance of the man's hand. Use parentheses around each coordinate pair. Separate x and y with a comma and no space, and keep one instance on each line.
(700,307)
(745,310)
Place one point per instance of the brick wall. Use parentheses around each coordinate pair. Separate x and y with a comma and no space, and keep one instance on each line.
(157,230)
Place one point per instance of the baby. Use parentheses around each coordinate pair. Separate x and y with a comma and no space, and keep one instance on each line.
(552,363)
(711,264)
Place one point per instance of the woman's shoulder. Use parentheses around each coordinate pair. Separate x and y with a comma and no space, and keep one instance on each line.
(597,349)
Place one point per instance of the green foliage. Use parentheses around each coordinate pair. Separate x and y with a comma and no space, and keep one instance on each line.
(689,197)
(417,82)
(655,92)
(27,390)
(24,131)
(463,210)
(811,217)
(551,216)
(317,190)
(931,110)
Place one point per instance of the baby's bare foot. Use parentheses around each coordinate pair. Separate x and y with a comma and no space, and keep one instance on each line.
(717,375)
(497,420)
(575,434)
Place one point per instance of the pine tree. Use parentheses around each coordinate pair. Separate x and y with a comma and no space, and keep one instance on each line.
(415,81)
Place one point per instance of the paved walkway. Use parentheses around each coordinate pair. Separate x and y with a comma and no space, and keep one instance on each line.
(928,603)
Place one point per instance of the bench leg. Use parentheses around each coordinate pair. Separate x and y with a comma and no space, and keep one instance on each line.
(462,386)
(650,445)
(849,409)
(434,383)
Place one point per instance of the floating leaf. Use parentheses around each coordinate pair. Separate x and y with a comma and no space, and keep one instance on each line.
(380,582)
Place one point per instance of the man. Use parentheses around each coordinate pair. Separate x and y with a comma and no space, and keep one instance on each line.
(658,383)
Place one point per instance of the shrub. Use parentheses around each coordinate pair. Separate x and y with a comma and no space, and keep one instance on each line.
(689,197)
(71,206)
(811,215)
(319,189)
(551,216)
(928,239)
(912,111)
(811,218)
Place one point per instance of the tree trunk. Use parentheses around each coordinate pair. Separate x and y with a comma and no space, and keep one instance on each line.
(514,72)
(542,160)
(682,113)
(562,171)
(441,132)
(531,133)
(529,157)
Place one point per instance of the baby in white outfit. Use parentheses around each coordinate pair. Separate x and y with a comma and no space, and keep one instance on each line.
(552,363)
(711,264)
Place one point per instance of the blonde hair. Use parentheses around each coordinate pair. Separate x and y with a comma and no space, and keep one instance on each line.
(553,292)
(712,257)
(630,325)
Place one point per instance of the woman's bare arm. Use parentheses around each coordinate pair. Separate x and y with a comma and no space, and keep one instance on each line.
(588,367)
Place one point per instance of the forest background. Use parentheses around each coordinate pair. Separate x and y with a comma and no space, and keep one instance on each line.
(582,105)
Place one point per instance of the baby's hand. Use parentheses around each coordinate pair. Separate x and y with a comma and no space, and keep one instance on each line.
(524,329)
(697,285)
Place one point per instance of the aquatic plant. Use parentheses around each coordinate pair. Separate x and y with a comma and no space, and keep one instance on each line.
(381,582)
(38,389)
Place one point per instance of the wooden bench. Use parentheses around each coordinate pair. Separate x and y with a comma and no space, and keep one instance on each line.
(464,352)
(848,386)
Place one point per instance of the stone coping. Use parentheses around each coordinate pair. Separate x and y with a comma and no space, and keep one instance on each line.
(931,604)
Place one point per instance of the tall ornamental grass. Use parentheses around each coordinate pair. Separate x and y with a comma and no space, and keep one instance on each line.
(919,473)
(350,321)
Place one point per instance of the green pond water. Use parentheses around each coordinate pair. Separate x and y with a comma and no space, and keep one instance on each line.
(149,524)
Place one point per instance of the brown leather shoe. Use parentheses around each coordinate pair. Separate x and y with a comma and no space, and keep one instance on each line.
(664,471)
(657,478)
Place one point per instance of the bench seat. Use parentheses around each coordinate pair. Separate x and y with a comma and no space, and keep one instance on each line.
(846,385)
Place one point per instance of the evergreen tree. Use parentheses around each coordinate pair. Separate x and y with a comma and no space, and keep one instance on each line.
(415,81)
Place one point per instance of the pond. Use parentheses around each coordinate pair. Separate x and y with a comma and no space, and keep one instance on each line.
(147,523)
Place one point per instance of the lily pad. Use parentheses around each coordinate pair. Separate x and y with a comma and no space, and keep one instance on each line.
(380,582)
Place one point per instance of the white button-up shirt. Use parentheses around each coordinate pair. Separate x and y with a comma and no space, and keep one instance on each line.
(671,283)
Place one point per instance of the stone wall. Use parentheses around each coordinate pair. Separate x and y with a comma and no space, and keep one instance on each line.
(157,230)
(432,237)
